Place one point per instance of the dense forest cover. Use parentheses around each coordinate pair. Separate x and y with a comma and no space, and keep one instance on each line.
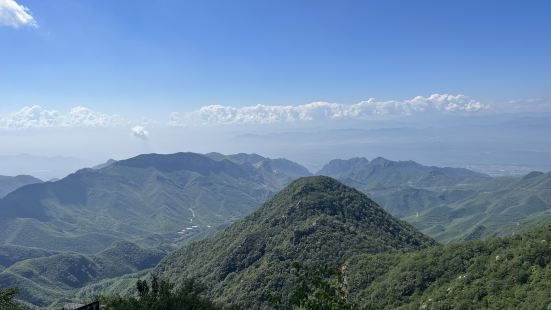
(316,221)
(500,273)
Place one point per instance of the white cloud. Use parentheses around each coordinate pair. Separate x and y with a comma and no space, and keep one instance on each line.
(140,132)
(265,114)
(15,15)
(38,117)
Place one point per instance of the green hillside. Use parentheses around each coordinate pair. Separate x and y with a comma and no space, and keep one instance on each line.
(11,254)
(149,199)
(496,209)
(500,273)
(52,280)
(315,220)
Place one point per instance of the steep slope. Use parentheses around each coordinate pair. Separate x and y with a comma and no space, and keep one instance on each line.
(9,184)
(501,273)
(314,220)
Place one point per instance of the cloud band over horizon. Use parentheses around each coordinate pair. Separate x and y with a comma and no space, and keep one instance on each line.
(319,111)
(38,117)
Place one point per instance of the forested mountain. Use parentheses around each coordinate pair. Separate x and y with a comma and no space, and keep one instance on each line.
(154,201)
(498,273)
(448,204)
(315,220)
(9,184)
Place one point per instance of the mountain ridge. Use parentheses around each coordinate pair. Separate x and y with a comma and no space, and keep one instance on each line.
(8,184)
(387,173)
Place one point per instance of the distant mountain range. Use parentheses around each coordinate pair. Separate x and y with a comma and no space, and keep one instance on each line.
(9,184)
(448,204)
(315,220)
(381,173)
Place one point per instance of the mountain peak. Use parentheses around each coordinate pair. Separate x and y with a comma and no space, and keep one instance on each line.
(310,197)
(316,220)
(379,159)
(309,183)
(382,161)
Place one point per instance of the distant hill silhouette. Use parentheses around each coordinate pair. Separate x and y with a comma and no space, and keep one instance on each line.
(9,184)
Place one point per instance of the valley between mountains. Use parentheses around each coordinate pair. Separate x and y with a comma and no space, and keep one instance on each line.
(400,233)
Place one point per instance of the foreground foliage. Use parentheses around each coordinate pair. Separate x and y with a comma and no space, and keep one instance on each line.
(7,299)
(161,295)
(500,273)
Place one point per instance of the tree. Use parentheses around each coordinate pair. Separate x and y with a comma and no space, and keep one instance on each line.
(163,296)
(7,297)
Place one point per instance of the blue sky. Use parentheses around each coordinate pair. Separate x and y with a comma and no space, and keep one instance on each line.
(150,58)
